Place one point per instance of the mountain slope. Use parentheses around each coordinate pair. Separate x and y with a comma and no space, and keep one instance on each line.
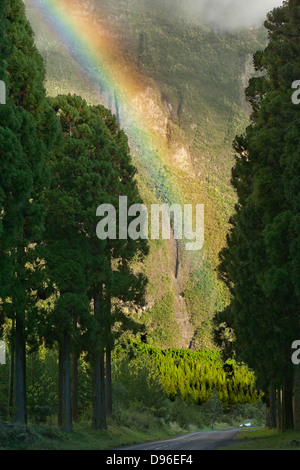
(192,81)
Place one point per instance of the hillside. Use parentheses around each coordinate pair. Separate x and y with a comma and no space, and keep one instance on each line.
(188,82)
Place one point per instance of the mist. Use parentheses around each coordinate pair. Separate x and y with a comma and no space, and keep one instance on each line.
(230,14)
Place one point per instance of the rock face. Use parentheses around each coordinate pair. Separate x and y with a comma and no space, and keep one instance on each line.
(178,276)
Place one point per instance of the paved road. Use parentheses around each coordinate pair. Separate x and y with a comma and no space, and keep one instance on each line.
(194,441)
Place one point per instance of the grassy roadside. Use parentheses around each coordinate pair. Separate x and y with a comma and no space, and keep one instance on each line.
(128,426)
(14,437)
(266,439)
(34,437)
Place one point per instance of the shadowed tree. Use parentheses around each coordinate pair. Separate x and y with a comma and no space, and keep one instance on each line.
(28,130)
(260,262)
(90,167)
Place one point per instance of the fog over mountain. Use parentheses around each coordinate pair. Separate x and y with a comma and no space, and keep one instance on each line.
(230,14)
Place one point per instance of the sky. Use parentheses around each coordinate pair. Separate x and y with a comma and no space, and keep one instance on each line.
(231,14)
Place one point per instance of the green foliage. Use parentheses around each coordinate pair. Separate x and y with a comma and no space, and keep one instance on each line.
(203,295)
(213,409)
(142,383)
(160,321)
(42,399)
(260,263)
(28,131)
(42,385)
(4,374)
(186,414)
(61,159)
(197,376)
(140,401)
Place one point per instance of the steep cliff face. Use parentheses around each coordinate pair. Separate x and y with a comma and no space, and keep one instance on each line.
(187,82)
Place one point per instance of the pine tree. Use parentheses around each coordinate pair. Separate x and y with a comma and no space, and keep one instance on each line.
(258,264)
(118,282)
(90,167)
(28,129)
(79,176)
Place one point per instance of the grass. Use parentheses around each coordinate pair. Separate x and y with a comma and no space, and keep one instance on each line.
(266,439)
(84,438)
(129,426)
(43,437)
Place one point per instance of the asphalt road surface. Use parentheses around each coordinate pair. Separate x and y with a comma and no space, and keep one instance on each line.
(212,440)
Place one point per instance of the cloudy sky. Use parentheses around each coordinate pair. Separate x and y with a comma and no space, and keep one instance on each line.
(231,14)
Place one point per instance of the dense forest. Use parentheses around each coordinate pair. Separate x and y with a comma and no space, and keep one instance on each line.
(197,375)
(60,285)
(260,264)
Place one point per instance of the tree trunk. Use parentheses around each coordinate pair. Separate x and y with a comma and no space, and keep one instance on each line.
(279,414)
(20,370)
(287,404)
(108,346)
(75,387)
(60,381)
(271,411)
(108,385)
(296,398)
(99,411)
(65,414)
(11,375)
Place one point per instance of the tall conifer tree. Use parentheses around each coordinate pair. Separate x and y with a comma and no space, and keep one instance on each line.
(92,166)
(28,129)
(259,263)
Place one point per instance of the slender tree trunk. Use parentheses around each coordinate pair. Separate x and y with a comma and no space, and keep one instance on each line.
(11,374)
(65,415)
(271,411)
(279,414)
(20,370)
(108,345)
(296,398)
(108,383)
(287,404)
(60,381)
(96,424)
(99,411)
(99,415)
(75,387)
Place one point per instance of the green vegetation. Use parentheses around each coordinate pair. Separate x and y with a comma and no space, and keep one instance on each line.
(266,439)
(141,409)
(28,132)
(148,378)
(159,321)
(60,285)
(260,265)
(197,376)
(75,311)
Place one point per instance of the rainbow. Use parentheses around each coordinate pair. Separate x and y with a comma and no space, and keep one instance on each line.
(100,55)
